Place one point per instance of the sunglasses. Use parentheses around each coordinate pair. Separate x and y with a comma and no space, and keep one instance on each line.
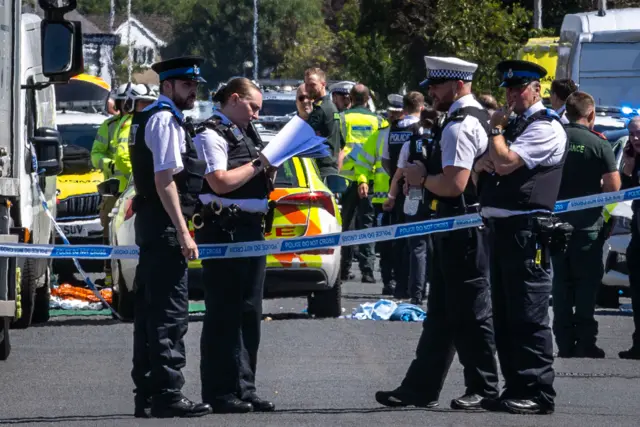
(303,98)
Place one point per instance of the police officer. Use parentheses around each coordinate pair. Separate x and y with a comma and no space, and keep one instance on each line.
(168,176)
(325,120)
(560,91)
(359,124)
(518,190)
(234,204)
(590,168)
(630,179)
(340,95)
(459,303)
(394,158)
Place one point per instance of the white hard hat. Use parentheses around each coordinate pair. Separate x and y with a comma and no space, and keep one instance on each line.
(121,92)
(142,92)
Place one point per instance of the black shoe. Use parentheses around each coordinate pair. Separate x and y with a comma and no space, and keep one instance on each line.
(389,288)
(492,404)
(525,406)
(260,405)
(183,408)
(400,295)
(142,407)
(468,402)
(347,276)
(416,301)
(591,352)
(230,405)
(368,278)
(633,353)
(400,397)
(565,354)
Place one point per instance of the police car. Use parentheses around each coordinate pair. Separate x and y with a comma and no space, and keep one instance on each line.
(77,197)
(305,207)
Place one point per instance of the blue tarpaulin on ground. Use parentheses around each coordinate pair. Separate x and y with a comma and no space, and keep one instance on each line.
(388,310)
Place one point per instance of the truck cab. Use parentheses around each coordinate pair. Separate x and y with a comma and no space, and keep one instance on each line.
(35,53)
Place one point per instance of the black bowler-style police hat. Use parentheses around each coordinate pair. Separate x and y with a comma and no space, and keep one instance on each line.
(183,68)
(518,73)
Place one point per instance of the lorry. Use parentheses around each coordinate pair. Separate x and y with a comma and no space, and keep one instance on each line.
(35,53)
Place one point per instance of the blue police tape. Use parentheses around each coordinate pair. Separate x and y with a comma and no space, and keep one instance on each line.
(303,244)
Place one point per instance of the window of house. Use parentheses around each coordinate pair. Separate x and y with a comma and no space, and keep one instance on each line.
(144,55)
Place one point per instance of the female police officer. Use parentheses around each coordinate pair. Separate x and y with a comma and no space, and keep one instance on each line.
(234,202)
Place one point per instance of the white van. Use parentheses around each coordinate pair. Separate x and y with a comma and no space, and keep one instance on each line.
(601,51)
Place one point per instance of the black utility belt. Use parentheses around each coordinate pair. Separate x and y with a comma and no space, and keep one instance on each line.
(228,217)
(443,209)
(548,230)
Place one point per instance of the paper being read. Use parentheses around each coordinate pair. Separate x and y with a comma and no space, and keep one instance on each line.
(294,135)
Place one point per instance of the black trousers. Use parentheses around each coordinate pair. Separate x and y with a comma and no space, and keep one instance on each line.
(161,308)
(233,302)
(400,251)
(362,210)
(386,249)
(633,264)
(521,288)
(577,275)
(459,317)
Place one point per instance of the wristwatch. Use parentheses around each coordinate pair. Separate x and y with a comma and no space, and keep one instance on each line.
(257,163)
(497,131)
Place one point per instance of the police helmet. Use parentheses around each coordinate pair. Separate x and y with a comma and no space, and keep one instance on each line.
(142,92)
(121,92)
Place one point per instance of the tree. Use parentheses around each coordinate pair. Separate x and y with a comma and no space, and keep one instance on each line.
(121,65)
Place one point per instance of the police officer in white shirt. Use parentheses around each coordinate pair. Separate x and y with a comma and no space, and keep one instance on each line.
(459,303)
(168,178)
(519,186)
(234,209)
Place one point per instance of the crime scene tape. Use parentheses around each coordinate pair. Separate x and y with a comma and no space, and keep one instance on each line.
(302,244)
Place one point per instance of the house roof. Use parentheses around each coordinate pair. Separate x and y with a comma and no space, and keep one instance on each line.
(159,27)
(88,27)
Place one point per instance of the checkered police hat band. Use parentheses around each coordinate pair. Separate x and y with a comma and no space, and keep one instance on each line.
(450,75)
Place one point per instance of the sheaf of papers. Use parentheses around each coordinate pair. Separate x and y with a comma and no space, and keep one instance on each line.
(296,138)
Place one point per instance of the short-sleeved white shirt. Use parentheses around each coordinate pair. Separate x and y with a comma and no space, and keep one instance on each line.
(403,158)
(213,148)
(542,143)
(165,138)
(463,141)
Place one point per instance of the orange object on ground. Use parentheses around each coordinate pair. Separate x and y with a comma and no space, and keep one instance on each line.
(66,291)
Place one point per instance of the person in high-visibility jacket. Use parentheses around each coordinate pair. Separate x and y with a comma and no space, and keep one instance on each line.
(369,164)
(359,124)
(113,157)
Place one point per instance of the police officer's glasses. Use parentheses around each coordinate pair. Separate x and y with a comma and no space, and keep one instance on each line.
(302,98)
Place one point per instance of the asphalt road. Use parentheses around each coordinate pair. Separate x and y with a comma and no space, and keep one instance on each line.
(75,372)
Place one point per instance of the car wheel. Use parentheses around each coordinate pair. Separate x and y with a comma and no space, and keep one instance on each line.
(325,304)
(123,298)
(43,299)
(5,343)
(608,297)
(28,289)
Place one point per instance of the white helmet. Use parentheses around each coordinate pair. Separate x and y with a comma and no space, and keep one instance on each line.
(343,87)
(142,92)
(121,92)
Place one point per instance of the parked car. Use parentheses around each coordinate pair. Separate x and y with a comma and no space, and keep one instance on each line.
(78,200)
(615,280)
(305,207)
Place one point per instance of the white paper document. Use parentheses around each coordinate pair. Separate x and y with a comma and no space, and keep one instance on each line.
(296,138)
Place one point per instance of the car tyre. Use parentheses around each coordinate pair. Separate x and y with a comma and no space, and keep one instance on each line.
(43,300)
(28,290)
(123,298)
(608,297)
(326,304)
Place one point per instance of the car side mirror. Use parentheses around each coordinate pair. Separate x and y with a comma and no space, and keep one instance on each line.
(61,50)
(48,147)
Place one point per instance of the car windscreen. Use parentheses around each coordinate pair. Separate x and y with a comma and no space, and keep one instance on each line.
(81,135)
(278,107)
(286,176)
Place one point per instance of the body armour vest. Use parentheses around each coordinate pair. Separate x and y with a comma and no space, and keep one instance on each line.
(429,151)
(398,135)
(188,180)
(244,147)
(524,189)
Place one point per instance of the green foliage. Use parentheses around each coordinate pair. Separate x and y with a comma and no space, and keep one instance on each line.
(121,64)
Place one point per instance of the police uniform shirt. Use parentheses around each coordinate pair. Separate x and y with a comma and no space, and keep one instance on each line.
(213,149)
(165,137)
(463,141)
(542,143)
(405,122)
(562,112)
